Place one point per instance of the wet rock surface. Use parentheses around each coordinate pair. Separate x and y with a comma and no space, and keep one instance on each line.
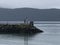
(19,29)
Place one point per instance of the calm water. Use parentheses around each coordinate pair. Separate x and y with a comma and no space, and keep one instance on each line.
(50,36)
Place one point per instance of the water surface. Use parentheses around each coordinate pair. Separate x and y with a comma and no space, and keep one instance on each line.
(50,36)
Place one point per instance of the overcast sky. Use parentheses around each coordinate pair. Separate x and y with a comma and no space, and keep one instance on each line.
(41,4)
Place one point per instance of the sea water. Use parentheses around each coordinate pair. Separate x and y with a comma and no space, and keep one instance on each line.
(50,36)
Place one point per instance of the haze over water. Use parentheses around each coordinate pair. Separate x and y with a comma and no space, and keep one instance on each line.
(50,36)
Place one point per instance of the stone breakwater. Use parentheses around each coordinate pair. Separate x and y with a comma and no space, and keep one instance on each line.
(21,28)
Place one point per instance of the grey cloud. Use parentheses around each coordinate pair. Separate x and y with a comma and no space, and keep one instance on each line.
(30,3)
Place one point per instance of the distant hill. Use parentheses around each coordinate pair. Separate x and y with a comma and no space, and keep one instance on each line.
(19,14)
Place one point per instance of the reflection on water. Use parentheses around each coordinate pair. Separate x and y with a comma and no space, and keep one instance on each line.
(9,39)
(50,36)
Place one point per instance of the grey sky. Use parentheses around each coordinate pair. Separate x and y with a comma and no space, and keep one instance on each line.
(30,3)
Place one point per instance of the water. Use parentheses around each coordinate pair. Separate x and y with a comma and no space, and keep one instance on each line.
(50,36)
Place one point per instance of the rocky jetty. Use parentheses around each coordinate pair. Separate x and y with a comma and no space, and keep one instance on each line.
(24,28)
(19,28)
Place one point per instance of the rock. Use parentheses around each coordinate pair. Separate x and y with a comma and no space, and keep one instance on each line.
(22,28)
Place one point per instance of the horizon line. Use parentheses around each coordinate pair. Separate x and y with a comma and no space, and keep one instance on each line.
(29,7)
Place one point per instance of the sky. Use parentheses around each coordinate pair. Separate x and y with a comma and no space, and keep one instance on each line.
(41,4)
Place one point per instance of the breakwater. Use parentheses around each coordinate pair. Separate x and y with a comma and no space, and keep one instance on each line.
(18,28)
